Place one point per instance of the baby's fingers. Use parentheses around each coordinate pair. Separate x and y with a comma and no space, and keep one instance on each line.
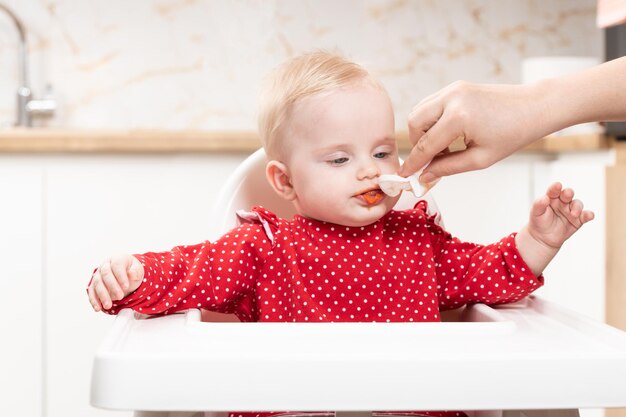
(91,292)
(577,215)
(576,208)
(539,206)
(554,190)
(102,293)
(567,195)
(120,266)
(587,216)
(110,282)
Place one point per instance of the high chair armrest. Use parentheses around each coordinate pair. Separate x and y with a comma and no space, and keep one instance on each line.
(546,358)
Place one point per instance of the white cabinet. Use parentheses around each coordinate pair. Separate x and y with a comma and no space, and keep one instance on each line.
(21,286)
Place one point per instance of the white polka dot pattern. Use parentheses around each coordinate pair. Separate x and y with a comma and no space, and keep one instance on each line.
(402,268)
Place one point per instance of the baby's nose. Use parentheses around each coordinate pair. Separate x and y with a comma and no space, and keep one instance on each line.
(369,169)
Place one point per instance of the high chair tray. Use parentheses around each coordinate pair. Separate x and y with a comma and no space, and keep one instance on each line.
(530,355)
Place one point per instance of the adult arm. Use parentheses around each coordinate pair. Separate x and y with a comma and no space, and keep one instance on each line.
(497,120)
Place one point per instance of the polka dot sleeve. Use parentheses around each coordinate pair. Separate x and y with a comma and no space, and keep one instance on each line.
(473,273)
(215,276)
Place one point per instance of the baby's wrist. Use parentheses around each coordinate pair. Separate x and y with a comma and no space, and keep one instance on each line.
(541,243)
(535,252)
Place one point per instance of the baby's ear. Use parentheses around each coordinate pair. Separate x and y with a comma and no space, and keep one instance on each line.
(278,176)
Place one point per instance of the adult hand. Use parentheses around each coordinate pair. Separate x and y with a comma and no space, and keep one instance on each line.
(493,121)
(496,120)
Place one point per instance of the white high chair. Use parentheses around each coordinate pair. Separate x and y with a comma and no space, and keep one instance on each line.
(532,355)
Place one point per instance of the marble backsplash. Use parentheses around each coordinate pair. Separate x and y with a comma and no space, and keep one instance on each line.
(198,64)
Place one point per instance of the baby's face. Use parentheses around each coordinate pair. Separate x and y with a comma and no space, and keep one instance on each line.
(340,143)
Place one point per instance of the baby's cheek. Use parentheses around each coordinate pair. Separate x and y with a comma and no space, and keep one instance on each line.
(391,167)
(321,198)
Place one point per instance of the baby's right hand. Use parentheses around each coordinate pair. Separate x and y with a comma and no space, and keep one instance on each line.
(113,280)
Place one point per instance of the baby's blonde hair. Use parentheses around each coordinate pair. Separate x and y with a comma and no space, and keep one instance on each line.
(300,77)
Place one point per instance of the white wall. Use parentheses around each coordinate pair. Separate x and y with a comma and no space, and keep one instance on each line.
(198,64)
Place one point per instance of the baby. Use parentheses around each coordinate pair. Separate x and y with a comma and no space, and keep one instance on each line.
(328,129)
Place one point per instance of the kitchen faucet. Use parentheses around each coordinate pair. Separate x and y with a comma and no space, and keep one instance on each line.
(27,107)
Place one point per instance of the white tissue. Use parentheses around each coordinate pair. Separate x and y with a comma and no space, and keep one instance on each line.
(392,185)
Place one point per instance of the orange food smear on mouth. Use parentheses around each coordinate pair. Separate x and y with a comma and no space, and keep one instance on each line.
(373,197)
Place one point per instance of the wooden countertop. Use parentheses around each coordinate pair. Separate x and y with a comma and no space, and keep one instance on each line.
(35,140)
(126,141)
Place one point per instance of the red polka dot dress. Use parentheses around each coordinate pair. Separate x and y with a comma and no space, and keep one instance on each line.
(402,268)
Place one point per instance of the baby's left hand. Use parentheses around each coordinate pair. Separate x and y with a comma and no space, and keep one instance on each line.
(556,216)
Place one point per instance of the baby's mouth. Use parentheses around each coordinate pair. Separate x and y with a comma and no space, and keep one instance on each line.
(371,197)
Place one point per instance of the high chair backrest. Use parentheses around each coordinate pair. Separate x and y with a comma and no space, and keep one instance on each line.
(248,187)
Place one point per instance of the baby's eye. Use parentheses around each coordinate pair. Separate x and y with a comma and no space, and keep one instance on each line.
(381,155)
(338,161)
